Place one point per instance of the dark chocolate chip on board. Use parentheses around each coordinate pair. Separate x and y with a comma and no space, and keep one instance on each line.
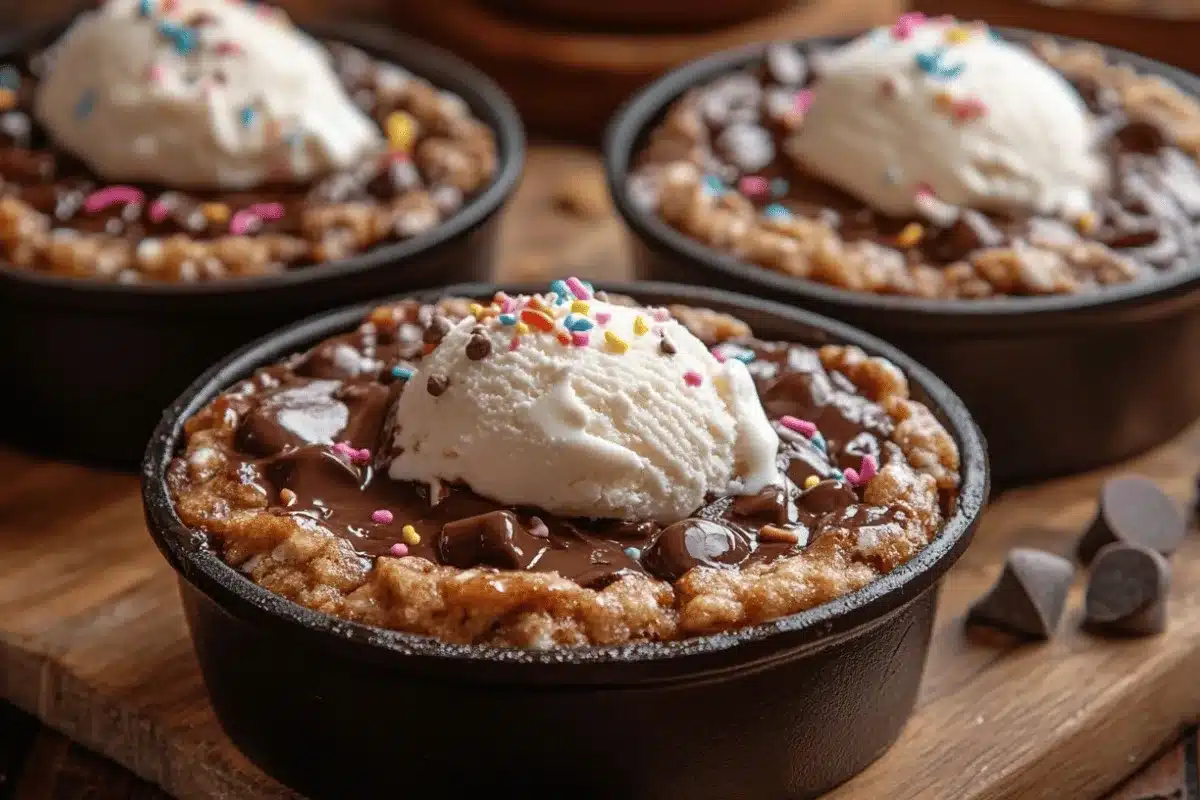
(1127,592)
(1133,510)
(1029,596)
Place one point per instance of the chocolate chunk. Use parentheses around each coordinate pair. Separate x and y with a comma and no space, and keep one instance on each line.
(1139,136)
(666,347)
(293,417)
(436,330)
(495,539)
(827,496)
(693,543)
(1127,591)
(436,385)
(785,64)
(1133,510)
(771,504)
(1029,596)
(970,232)
(479,347)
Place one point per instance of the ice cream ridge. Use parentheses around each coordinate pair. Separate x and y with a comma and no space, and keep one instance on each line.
(199,94)
(581,407)
(930,115)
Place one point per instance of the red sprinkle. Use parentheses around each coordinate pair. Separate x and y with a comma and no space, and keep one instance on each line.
(801,426)
(692,378)
(399,549)
(563,338)
(382,517)
(537,319)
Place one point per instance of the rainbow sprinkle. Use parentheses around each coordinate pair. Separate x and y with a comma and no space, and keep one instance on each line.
(811,481)
(777,211)
(640,328)
(561,291)
(603,317)
(692,378)
(507,319)
(754,186)
(537,319)
(867,470)
(801,426)
(803,101)
(382,517)
(402,373)
(578,289)
(102,199)
(399,550)
(410,536)
(580,338)
(907,23)
(580,307)
(615,343)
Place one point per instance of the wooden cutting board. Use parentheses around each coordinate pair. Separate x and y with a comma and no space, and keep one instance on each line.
(93,641)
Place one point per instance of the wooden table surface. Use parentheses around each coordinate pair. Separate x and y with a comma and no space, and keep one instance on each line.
(559,223)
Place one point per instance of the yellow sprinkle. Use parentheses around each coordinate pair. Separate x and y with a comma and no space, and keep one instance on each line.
(958,35)
(811,481)
(401,131)
(1086,222)
(410,536)
(580,307)
(910,235)
(522,329)
(639,325)
(215,212)
(943,101)
(615,343)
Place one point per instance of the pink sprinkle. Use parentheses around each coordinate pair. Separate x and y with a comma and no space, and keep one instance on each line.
(719,355)
(362,456)
(227,48)
(804,101)
(924,190)
(907,23)
(580,338)
(514,344)
(508,305)
(155,73)
(382,517)
(692,378)
(798,425)
(603,317)
(245,219)
(344,449)
(661,315)
(851,476)
(102,199)
(267,211)
(159,211)
(399,550)
(578,289)
(754,186)
(867,469)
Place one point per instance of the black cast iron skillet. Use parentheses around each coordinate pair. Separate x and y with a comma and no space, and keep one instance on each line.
(1058,384)
(87,366)
(786,709)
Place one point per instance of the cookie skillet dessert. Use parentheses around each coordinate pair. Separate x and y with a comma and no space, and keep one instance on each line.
(195,140)
(934,159)
(565,469)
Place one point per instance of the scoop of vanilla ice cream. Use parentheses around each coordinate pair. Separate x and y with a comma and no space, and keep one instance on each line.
(206,94)
(584,429)
(934,105)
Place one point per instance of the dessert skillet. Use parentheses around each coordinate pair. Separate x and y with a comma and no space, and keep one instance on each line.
(1074,377)
(132,346)
(789,707)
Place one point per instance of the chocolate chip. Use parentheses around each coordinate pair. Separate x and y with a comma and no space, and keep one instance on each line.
(970,232)
(785,64)
(495,539)
(1029,596)
(1127,592)
(1139,136)
(666,347)
(436,330)
(479,347)
(1133,510)
(693,543)
(826,497)
(436,385)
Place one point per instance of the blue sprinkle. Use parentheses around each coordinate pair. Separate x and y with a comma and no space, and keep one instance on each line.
(838,476)
(992,32)
(402,373)
(745,356)
(508,319)
(714,185)
(776,211)
(633,553)
(146,8)
(577,323)
(818,441)
(247,116)
(950,73)
(779,187)
(559,288)
(929,62)
(184,39)
(87,102)
(10,78)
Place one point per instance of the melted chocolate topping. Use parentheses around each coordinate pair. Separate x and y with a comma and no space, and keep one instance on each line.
(312,416)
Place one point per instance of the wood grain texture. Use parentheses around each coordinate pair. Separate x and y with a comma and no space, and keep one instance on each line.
(92,639)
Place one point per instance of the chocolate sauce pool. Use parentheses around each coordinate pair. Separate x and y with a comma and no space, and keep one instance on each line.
(343,391)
